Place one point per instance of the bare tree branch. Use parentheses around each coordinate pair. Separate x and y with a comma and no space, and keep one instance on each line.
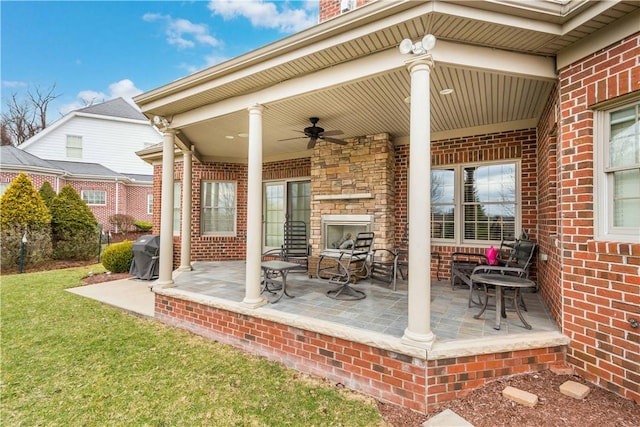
(26,117)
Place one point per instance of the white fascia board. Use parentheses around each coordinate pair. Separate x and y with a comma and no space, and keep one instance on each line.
(597,8)
(465,56)
(499,18)
(114,118)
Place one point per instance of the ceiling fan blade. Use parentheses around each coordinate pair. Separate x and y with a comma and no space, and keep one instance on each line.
(335,141)
(332,133)
(312,142)
(289,139)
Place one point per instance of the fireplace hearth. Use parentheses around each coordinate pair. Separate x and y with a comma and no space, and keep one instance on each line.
(339,231)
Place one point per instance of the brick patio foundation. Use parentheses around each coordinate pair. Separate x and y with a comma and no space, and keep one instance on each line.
(388,376)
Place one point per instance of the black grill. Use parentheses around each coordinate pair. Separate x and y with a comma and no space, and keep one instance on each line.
(146,251)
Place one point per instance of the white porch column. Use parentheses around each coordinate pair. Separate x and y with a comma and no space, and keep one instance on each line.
(418,332)
(252,296)
(165,276)
(187,197)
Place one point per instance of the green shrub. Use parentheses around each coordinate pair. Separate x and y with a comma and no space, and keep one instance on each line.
(47,193)
(74,227)
(143,225)
(117,258)
(24,213)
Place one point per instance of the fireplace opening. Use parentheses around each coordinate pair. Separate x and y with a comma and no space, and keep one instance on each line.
(339,231)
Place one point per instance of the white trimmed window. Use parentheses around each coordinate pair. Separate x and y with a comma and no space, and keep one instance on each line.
(74,147)
(617,164)
(3,187)
(150,203)
(94,197)
(218,208)
(475,204)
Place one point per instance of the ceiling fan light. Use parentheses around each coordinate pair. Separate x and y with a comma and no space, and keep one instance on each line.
(406,46)
(428,42)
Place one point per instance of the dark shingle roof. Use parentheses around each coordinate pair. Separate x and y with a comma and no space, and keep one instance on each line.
(117,107)
(138,177)
(85,169)
(13,156)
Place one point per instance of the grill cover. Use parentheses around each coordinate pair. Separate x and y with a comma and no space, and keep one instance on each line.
(146,252)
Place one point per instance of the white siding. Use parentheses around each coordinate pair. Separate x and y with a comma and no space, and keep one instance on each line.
(110,142)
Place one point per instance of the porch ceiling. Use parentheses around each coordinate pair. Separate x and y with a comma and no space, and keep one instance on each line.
(486,97)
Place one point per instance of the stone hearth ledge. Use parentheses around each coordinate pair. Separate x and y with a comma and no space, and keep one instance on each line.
(343,196)
(439,350)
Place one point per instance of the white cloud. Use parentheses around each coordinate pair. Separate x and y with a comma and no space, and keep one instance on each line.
(14,84)
(124,88)
(263,14)
(182,32)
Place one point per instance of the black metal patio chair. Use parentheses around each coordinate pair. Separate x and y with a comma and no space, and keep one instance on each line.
(295,246)
(386,263)
(516,255)
(347,266)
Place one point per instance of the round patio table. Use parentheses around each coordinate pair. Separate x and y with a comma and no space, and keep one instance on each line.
(502,281)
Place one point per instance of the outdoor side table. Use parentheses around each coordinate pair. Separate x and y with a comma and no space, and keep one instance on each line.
(273,269)
(502,281)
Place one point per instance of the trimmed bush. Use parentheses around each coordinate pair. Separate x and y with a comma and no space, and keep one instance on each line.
(143,225)
(121,222)
(47,193)
(118,257)
(74,227)
(22,210)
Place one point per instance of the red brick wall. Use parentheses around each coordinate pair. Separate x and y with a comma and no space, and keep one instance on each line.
(209,248)
(453,378)
(383,374)
(601,286)
(36,179)
(549,271)
(512,145)
(136,202)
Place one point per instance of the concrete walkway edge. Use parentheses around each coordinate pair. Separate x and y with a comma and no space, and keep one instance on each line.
(132,295)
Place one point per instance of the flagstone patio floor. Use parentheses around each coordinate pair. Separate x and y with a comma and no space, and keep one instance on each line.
(382,311)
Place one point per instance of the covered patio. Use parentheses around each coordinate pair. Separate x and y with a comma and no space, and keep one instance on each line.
(382,312)
(454,139)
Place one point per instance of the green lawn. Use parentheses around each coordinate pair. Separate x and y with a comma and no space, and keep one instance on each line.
(71,361)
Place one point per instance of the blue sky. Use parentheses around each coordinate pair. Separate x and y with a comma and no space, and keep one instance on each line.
(99,50)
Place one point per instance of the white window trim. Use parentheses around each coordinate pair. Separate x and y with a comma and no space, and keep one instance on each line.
(233,233)
(458,239)
(82,192)
(603,205)
(150,204)
(80,149)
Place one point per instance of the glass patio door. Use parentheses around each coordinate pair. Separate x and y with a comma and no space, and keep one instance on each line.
(284,201)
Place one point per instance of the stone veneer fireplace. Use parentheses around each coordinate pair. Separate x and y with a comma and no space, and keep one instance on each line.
(352,187)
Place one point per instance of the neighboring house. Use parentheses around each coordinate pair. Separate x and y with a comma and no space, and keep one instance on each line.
(93,149)
(109,134)
(105,191)
(528,112)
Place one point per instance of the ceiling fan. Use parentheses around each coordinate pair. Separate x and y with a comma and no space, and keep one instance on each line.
(315,133)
